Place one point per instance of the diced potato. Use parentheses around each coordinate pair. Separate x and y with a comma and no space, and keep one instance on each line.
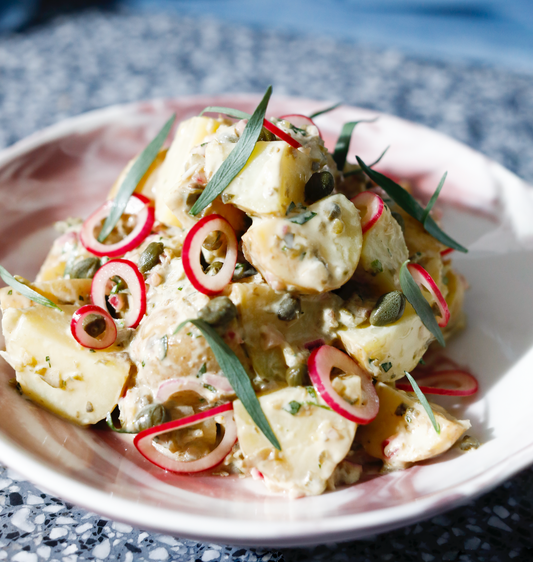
(317,256)
(382,255)
(190,133)
(402,432)
(313,441)
(274,176)
(58,373)
(148,181)
(273,344)
(387,351)
(59,291)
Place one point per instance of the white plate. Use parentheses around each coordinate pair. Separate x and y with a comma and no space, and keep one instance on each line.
(67,170)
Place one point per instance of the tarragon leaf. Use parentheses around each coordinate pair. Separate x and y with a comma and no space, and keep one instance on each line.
(360,170)
(237,113)
(343,143)
(134,176)
(236,375)
(414,295)
(237,158)
(424,402)
(433,199)
(25,291)
(327,110)
(410,205)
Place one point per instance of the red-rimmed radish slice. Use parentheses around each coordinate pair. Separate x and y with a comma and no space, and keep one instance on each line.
(423,279)
(389,447)
(299,120)
(89,319)
(281,134)
(138,205)
(172,386)
(445,383)
(133,278)
(372,205)
(143,441)
(192,246)
(446,252)
(321,361)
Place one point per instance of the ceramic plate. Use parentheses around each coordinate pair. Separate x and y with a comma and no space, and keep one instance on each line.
(68,169)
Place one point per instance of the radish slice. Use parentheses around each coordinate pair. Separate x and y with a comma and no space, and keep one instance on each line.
(372,205)
(299,120)
(81,322)
(281,134)
(320,363)
(446,383)
(133,278)
(137,205)
(172,386)
(192,247)
(143,441)
(423,279)
(219,382)
(446,252)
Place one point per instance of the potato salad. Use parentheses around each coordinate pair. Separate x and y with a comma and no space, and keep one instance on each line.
(248,303)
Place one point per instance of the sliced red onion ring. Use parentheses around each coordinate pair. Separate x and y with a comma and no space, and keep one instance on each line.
(281,134)
(372,204)
(143,441)
(133,278)
(137,205)
(192,247)
(320,363)
(219,382)
(170,387)
(299,120)
(446,252)
(79,323)
(310,345)
(445,383)
(423,279)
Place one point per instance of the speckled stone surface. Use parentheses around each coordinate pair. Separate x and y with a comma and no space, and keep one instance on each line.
(92,60)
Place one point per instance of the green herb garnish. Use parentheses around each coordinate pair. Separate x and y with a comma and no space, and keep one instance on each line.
(292,407)
(433,200)
(311,391)
(134,176)
(24,290)
(237,376)
(423,401)
(343,143)
(327,110)
(302,218)
(377,267)
(411,206)
(360,170)
(47,359)
(210,387)
(201,371)
(237,158)
(414,295)
(386,366)
(237,113)
(164,344)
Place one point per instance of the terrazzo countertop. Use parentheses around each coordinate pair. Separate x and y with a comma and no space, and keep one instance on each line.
(92,60)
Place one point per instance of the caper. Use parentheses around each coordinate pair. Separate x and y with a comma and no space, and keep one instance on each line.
(334,212)
(399,219)
(218,311)
(468,442)
(266,135)
(150,257)
(242,270)
(289,308)
(319,185)
(214,268)
(191,197)
(150,416)
(213,241)
(85,269)
(296,375)
(95,325)
(388,309)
